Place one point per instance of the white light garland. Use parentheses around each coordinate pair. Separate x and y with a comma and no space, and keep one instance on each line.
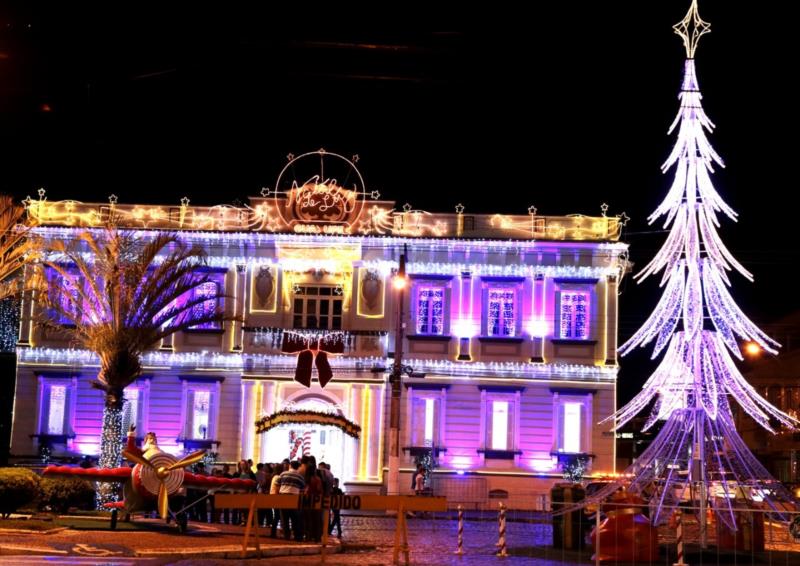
(277,363)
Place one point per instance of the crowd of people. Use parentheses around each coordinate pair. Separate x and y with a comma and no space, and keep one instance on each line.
(295,477)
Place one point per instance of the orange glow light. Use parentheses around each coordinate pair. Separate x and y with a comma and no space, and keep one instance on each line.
(752,349)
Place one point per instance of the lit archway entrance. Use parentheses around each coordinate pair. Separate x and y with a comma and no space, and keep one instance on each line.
(311,426)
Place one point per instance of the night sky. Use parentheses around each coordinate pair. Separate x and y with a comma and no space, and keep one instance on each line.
(565,111)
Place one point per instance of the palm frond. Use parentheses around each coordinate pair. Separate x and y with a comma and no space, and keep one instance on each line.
(128,296)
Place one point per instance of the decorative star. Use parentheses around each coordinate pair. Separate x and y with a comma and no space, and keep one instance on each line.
(27,202)
(338,290)
(356,158)
(375,195)
(459,208)
(604,208)
(290,157)
(691,28)
(532,210)
(185,201)
(321,151)
(406,207)
(296,289)
(41,192)
(623,219)
(113,199)
(265,191)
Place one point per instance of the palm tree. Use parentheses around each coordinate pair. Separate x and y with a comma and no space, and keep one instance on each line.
(119,300)
(16,249)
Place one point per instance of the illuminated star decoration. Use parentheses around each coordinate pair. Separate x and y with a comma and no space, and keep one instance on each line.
(27,202)
(355,158)
(690,28)
(185,201)
(290,157)
(375,195)
(532,210)
(264,191)
(459,208)
(41,193)
(604,208)
(406,207)
(623,219)
(113,199)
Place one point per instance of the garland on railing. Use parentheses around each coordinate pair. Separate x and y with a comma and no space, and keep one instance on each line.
(267,422)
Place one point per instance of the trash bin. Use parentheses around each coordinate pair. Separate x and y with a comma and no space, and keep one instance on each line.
(568,529)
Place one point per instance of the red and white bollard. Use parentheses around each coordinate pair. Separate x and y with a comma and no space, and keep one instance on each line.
(460,550)
(501,542)
(677,518)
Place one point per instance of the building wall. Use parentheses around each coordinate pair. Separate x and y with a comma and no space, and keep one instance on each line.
(244,366)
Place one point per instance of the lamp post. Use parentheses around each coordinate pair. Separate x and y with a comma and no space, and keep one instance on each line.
(399,283)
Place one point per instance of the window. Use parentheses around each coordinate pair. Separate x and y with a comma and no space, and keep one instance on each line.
(68,299)
(572,421)
(205,308)
(501,312)
(56,397)
(134,409)
(430,310)
(425,420)
(500,424)
(318,307)
(200,417)
(574,315)
(58,402)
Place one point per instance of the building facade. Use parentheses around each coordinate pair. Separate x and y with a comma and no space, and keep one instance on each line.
(510,339)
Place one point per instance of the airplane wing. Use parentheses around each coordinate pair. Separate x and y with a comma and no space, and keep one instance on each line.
(117,475)
(223,484)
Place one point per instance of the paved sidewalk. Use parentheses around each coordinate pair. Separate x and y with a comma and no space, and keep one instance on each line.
(155,541)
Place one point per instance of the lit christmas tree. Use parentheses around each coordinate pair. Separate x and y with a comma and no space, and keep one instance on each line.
(698,454)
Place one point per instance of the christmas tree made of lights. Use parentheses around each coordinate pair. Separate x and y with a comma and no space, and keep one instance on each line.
(698,454)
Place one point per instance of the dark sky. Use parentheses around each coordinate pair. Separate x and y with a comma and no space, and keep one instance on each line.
(565,109)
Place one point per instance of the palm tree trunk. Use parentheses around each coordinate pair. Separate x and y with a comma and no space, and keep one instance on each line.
(110,446)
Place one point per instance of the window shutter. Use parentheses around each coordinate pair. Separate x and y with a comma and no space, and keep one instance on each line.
(511,442)
(188,426)
(212,426)
(418,421)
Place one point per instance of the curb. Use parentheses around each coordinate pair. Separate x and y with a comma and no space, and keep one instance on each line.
(16,549)
(235,551)
(32,532)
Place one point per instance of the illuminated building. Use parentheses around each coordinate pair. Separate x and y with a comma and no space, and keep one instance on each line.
(511,337)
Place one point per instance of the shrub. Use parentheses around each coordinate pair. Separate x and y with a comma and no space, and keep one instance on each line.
(59,494)
(18,487)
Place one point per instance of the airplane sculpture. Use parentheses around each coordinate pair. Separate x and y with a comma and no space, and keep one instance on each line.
(155,476)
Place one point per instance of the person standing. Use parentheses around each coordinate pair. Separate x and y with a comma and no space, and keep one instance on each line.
(336,514)
(292,482)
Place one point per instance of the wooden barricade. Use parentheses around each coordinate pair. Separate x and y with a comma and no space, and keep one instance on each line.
(399,503)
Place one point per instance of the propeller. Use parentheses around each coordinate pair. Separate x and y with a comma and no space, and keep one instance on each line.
(162,473)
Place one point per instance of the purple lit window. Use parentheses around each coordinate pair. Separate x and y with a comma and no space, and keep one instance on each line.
(501,319)
(574,315)
(430,310)
(68,297)
(206,308)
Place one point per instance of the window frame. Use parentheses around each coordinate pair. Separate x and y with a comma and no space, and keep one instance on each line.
(586,401)
(331,299)
(218,279)
(514,399)
(190,386)
(45,384)
(436,393)
(587,287)
(510,284)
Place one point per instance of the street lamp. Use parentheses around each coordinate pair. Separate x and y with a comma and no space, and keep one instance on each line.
(399,283)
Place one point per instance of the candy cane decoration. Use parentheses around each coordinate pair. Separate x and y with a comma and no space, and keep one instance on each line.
(679,537)
(460,550)
(501,518)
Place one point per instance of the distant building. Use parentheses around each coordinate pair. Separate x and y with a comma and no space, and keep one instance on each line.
(511,333)
(777,379)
